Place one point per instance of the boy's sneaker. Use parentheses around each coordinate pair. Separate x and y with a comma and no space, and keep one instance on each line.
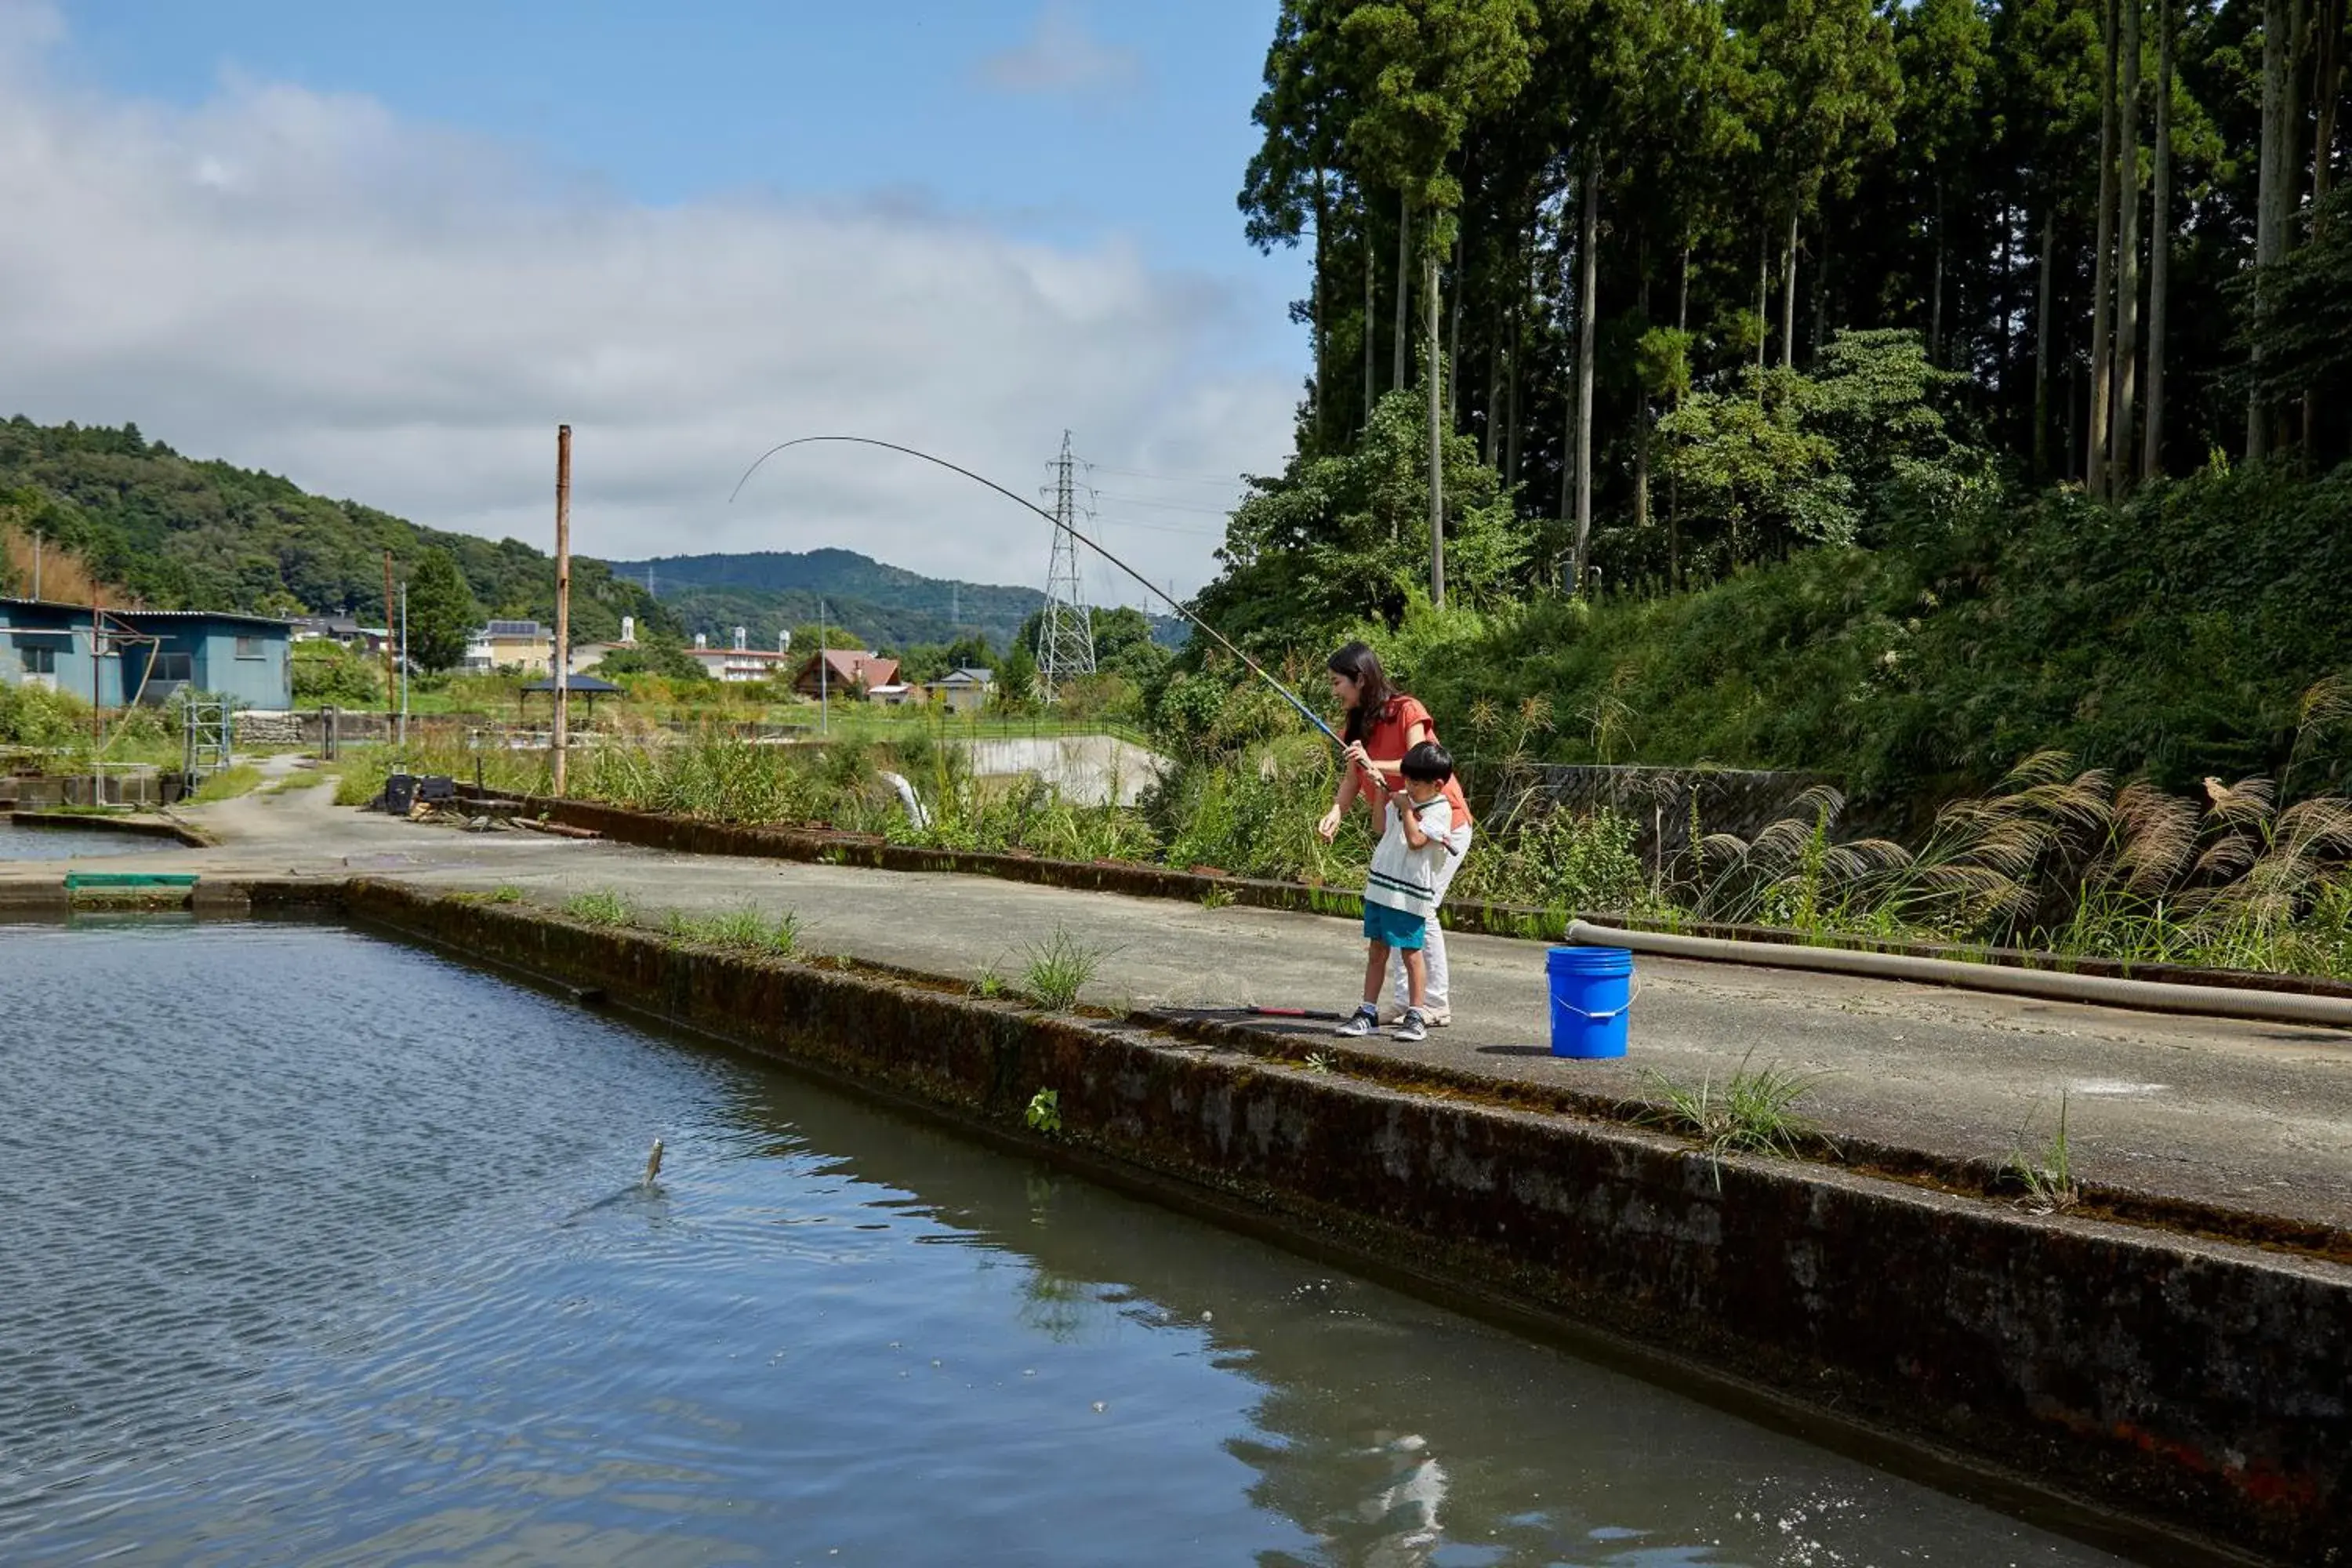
(1361,1022)
(1412,1027)
(1434,1017)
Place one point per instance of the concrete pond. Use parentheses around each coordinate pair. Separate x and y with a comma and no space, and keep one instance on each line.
(2165,1383)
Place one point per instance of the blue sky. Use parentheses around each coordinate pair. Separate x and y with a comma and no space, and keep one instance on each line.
(383,249)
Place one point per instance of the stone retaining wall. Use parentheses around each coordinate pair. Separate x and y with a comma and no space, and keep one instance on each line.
(2202,1387)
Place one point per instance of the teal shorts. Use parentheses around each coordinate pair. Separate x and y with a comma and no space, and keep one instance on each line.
(1394,928)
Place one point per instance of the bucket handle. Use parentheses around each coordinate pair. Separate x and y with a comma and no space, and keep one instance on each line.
(1633,994)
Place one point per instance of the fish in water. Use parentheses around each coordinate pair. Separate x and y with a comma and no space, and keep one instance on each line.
(652,1163)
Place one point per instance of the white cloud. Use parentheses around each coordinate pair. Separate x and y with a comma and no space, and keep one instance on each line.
(398,314)
(1061,57)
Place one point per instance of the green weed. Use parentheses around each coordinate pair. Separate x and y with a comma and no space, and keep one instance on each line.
(228,783)
(506,893)
(1215,898)
(1044,1113)
(1752,1113)
(2048,1179)
(746,930)
(602,907)
(1058,968)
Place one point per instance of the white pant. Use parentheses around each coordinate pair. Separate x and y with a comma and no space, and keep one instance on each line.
(1433,992)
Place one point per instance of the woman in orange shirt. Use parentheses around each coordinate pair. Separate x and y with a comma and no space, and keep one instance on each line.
(1383,724)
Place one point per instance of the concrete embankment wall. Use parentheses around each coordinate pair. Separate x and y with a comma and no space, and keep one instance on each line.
(2204,1387)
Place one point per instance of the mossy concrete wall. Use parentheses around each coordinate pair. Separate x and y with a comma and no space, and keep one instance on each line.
(2204,1387)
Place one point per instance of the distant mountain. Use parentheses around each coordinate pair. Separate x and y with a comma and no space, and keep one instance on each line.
(772,590)
(178,533)
(889,607)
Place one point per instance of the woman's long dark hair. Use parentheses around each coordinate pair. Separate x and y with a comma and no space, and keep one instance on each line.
(1374,690)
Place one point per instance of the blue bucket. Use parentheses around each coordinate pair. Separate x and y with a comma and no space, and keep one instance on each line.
(1592,990)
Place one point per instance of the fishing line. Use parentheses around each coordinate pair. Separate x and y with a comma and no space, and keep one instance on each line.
(1148,587)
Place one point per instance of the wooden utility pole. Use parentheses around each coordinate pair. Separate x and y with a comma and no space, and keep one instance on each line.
(391,677)
(97,731)
(563,659)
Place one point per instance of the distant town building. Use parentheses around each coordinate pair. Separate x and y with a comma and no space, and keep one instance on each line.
(147,655)
(741,664)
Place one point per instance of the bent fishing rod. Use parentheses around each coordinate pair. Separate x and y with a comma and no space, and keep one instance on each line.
(1148,587)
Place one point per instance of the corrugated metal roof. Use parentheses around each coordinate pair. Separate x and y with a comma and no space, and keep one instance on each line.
(113,612)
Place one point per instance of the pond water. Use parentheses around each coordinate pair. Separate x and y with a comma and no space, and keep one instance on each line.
(322,1249)
(21,841)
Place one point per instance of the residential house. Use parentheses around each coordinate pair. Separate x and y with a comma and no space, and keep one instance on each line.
(146,655)
(963,690)
(524,646)
(844,672)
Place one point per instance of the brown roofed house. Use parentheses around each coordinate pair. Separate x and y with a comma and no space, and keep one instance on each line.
(847,672)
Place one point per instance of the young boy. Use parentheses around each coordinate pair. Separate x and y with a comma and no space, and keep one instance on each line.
(1401,892)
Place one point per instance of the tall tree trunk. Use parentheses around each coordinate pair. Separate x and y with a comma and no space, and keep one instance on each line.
(1519,304)
(2160,250)
(1436,378)
(2042,341)
(1511,386)
(1399,379)
(1454,344)
(1763,297)
(2095,458)
(2326,90)
(2119,459)
(2270,204)
(1642,416)
(1495,388)
(1372,314)
(1789,295)
(1322,337)
(1588,282)
(1821,296)
(1673,484)
(1936,304)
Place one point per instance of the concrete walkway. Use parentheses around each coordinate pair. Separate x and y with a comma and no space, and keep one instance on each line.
(2250,1117)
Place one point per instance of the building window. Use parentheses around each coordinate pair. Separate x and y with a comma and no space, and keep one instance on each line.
(248,648)
(38,660)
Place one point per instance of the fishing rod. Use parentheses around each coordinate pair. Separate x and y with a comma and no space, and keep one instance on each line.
(1148,587)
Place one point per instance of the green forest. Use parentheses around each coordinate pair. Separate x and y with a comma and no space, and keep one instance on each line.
(177,533)
(1892,390)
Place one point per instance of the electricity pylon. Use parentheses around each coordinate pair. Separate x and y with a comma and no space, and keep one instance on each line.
(1066,633)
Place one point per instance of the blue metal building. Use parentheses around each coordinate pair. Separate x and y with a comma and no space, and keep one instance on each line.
(147,655)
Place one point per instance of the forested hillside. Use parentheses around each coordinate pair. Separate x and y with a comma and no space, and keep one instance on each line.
(768,591)
(176,533)
(1888,388)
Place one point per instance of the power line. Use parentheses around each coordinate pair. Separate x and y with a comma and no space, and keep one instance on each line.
(1196,479)
(1169,505)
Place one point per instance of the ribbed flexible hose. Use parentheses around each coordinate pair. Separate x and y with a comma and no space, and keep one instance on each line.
(2145,996)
